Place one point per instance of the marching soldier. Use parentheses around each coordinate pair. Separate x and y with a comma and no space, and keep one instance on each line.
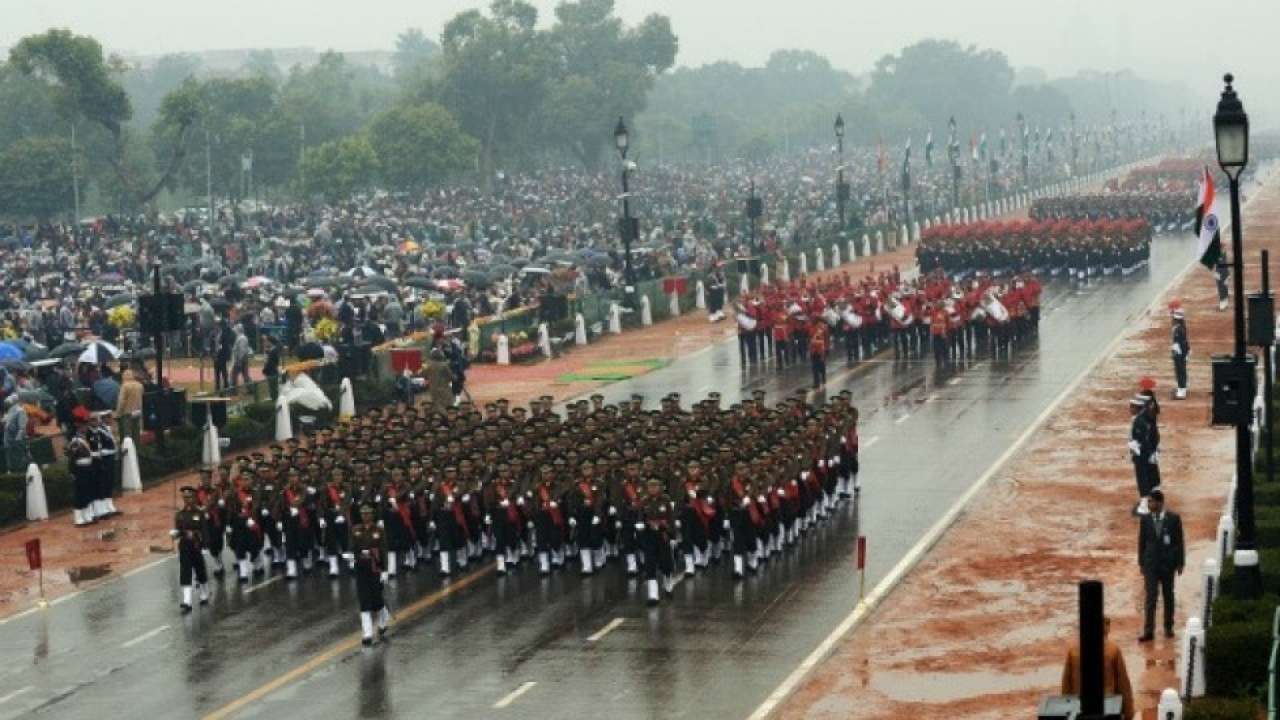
(189,525)
(210,500)
(653,529)
(369,549)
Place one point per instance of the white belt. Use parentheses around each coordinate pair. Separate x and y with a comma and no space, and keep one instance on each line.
(108,453)
(83,462)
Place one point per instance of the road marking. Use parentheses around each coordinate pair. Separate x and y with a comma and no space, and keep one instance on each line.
(613,624)
(871,441)
(902,419)
(264,583)
(144,636)
(344,646)
(917,551)
(6,698)
(511,697)
(64,598)
(148,566)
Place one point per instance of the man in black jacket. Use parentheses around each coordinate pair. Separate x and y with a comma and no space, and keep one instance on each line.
(1161,556)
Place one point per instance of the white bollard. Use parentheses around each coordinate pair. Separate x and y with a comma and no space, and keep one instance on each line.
(1170,707)
(130,472)
(1210,573)
(646,314)
(866,245)
(504,350)
(744,284)
(804,264)
(615,318)
(544,339)
(580,323)
(835,255)
(700,296)
(819,261)
(1226,537)
(1191,659)
(784,274)
(964,216)
(764,273)
(937,220)
(946,217)
(927,225)
(903,237)
(915,232)
(37,504)
(347,400)
(284,431)
(879,241)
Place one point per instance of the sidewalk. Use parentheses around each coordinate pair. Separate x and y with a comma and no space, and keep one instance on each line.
(77,558)
(1006,572)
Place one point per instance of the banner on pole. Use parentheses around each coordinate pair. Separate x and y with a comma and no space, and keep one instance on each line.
(862,552)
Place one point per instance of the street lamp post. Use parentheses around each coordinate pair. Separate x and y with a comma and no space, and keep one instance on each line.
(842,188)
(1231,136)
(1022,136)
(622,139)
(755,208)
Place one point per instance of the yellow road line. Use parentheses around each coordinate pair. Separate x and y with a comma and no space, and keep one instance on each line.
(344,646)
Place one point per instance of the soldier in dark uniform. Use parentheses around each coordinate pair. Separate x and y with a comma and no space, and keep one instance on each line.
(299,526)
(1180,348)
(189,525)
(105,464)
(79,453)
(1142,448)
(369,549)
(211,501)
(586,503)
(654,528)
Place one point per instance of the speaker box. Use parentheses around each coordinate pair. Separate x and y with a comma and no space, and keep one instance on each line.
(1234,387)
(1262,320)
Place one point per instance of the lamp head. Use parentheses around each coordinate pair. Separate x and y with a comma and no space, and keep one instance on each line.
(1231,131)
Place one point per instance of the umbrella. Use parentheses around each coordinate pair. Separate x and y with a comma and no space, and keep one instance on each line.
(362,271)
(99,352)
(419,282)
(232,279)
(35,396)
(533,270)
(14,365)
(381,282)
(110,278)
(475,278)
(36,352)
(255,282)
(450,284)
(10,352)
(118,300)
(444,273)
(140,354)
(219,303)
(310,351)
(66,350)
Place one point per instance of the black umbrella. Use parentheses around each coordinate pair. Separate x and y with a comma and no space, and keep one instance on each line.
(419,281)
(443,273)
(475,278)
(219,303)
(381,281)
(118,300)
(310,351)
(34,353)
(66,350)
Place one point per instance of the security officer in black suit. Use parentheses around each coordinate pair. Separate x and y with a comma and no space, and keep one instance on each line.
(1161,556)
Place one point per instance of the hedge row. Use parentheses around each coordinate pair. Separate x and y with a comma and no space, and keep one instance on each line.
(1238,643)
(182,452)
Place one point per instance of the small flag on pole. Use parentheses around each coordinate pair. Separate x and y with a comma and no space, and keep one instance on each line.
(34,561)
(862,552)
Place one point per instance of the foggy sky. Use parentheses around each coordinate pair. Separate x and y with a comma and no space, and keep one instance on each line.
(1171,40)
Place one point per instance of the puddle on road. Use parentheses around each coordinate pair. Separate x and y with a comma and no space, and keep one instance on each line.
(85,573)
(953,687)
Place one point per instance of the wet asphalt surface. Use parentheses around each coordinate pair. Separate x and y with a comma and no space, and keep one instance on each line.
(568,646)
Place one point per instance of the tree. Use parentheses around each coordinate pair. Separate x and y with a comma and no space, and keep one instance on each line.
(414,50)
(418,145)
(338,169)
(35,178)
(85,85)
(494,74)
(940,78)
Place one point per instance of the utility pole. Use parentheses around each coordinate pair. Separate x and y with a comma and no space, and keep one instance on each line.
(208,180)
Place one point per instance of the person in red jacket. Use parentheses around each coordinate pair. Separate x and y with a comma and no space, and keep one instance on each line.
(818,338)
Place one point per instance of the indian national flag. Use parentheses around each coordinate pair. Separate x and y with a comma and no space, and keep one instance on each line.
(1209,246)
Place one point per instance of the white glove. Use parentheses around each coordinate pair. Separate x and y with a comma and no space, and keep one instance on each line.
(279,526)
(639,526)
(349,557)
(529,524)
(1134,447)
(311,490)
(323,524)
(466,498)
(1155,458)
(266,513)
(677,524)
(612,511)
(251,523)
(174,533)
(693,494)
(339,519)
(573,522)
(726,523)
(595,519)
(228,530)
(762,499)
(380,524)
(554,505)
(431,525)
(746,501)
(822,463)
(617,525)
(222,503)
(448,498)
(293,512)
(377,498)
(804,475)
(520,501)
(391,501)
(835,460)
(488,520)
(783,493)
(1176,350)
(412,495)
(507,503)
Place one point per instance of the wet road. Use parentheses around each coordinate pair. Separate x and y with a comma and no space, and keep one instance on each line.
(522,646)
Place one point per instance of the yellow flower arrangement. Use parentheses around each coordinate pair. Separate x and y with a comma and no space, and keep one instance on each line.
(431,309)
(326,329)
(122,316)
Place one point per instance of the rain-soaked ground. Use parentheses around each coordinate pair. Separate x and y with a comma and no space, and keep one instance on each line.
(568,646)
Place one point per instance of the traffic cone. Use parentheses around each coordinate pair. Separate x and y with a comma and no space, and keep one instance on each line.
(130,475)
(37,505)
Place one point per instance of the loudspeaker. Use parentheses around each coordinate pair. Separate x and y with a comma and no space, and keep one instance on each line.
(1234,387)
(200,414)
(755,207)
(353,360)
(161,313)
(1262,320)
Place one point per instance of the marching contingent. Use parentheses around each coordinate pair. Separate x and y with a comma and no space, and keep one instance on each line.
(1078,249)
(387,493)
